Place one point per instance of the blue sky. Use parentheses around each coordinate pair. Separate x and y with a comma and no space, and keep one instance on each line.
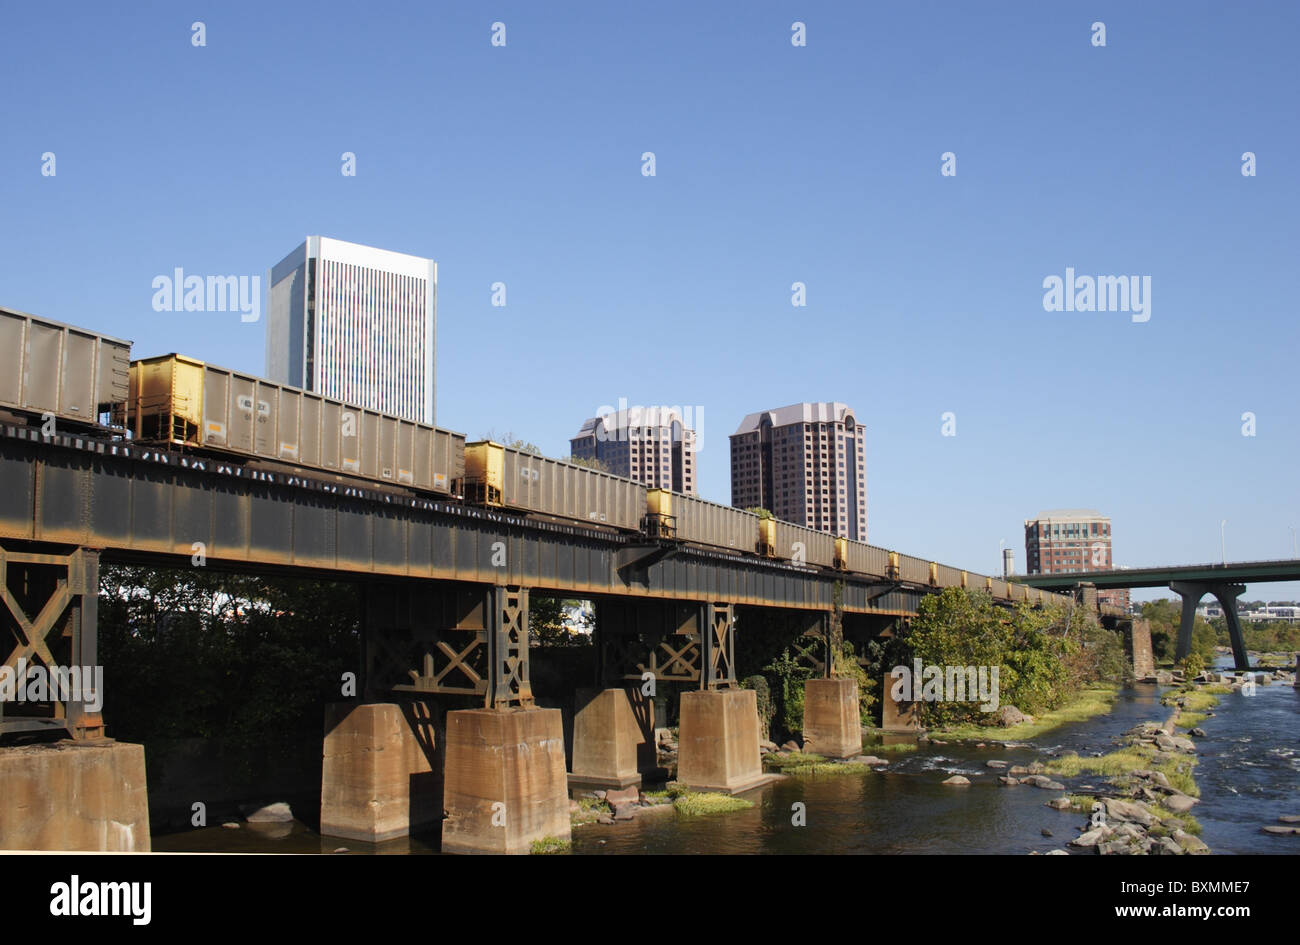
(774,164)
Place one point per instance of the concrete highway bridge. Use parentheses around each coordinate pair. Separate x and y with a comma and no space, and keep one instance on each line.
(446,589)
(1225,581)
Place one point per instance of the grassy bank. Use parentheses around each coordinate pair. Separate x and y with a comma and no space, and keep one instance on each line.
(1086,704)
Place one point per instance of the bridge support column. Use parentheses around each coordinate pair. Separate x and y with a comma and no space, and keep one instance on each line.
(718,737)
(379,780)
(85,792)
(613,738)
(718,741)
(1139,647)
(895,714)
(505,783)
(1226,594)
(832,725)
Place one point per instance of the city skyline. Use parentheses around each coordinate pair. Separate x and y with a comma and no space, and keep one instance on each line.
(924,293)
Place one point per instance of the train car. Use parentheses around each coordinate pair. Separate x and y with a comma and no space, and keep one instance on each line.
(866,559)
(47,367)
(505,477)
(690,518)
(804,545)
(185,402)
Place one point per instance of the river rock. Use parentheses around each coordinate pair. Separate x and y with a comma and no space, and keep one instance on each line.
(1004,779)
(1166,846)
(995,764)
(1180,803)
(1059,803)
(1046,833)
(626,811)
(1090,838)
(791,745)
(1118,847)
(277,813)
(1130,811)
(1056,853)
(957,779)
(1042,781)
(1280,831)
(1289,819)
(1189,843)
(1198,732)
(605,819)
(1010,715)
(626,796)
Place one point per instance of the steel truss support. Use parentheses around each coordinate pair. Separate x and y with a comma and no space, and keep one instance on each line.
(448,639)
(49,606)
(661,638)
(813,647)
(1226,594)
(719,646)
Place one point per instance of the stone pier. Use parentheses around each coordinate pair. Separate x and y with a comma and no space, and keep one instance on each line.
(613,738)
(896,715)
(718,741)
(505,784)
(74,795)
(832,725)
(378,780)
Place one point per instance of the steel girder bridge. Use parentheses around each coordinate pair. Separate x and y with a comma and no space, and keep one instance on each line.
(446,584)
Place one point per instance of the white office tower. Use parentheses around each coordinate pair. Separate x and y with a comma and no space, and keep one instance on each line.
(356,324)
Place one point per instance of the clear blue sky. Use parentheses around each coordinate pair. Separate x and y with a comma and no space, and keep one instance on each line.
(775,164)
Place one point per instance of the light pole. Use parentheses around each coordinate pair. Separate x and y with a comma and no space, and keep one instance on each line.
(1223,546)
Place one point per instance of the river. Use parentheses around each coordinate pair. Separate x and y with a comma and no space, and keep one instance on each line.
(1249,774)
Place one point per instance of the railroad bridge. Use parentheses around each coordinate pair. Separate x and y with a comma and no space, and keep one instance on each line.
(446,591)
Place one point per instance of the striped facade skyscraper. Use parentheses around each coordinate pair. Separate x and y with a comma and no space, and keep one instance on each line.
(356,324)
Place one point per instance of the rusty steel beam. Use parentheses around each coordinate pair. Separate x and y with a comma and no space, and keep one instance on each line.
(166,508)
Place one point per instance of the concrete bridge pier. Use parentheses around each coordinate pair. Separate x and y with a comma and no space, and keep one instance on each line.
(84,791)
(379,776)
(718,736)
(505,785)
(832,725)
(496,776)
(1226,594)
(641,644)
(613,738)
(897,715)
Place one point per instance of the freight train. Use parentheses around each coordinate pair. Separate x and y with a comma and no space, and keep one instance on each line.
(87,381)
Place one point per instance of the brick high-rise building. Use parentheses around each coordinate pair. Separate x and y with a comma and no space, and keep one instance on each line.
(805,464)
(1070,541)
(650,445)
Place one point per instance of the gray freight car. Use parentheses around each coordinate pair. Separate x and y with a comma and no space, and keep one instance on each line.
(47,367)
(503,476)
(185,402)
